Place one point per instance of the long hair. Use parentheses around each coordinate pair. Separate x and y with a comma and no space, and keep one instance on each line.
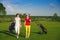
(17,14)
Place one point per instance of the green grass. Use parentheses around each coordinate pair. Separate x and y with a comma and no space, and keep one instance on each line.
(52,27)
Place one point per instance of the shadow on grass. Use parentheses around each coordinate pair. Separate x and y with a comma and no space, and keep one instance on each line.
(11,33)
(8,33)
(41,33)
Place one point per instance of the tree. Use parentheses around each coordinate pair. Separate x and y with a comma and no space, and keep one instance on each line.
(55,17)
(24,15)
(2,9)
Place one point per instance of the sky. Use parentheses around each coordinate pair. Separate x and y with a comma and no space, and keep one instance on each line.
(32,7)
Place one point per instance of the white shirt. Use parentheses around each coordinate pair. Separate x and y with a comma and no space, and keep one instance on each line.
(17,21)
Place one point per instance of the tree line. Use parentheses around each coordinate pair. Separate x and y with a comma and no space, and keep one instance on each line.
(3,12)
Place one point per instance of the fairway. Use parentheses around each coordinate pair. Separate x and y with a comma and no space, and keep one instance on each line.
(52,27)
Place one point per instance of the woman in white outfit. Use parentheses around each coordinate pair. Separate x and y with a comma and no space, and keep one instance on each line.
(17,25)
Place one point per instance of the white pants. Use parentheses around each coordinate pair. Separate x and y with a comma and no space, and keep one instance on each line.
(17,29)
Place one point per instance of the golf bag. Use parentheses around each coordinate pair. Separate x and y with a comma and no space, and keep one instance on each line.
(11,27)
(44,30)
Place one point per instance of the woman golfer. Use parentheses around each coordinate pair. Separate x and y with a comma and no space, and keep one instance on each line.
(27,25)
(17,25)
